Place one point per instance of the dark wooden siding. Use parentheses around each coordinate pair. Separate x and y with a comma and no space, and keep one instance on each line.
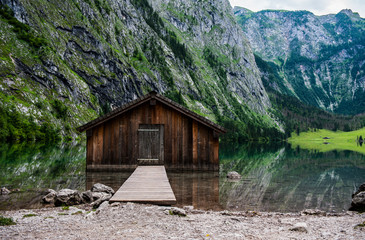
(187,143)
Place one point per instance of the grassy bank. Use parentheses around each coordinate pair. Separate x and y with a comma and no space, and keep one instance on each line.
(324,140)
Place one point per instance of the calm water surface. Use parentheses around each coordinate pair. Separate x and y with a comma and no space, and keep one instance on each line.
(274,177)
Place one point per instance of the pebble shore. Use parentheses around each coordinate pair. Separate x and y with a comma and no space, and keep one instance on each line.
(140,221)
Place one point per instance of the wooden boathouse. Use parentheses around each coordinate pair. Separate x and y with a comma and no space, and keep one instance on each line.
(152,130)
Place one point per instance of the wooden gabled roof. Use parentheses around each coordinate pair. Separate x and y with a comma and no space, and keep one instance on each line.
(145,98)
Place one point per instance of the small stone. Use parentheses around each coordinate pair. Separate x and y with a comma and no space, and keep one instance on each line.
(115,204)
(177,211)
(314,212)
(4,191)
(233,175)
(299,227)
(103,205)
(188,208)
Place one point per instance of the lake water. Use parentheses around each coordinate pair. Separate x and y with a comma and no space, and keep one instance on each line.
(274,177)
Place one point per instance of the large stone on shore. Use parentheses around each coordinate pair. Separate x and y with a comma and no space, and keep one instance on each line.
(358,202)
(4,191)
(360,189)
(87,196)
(358,199)
(233,175)
(68,197)
(50,197)
(98,187)
(99,198)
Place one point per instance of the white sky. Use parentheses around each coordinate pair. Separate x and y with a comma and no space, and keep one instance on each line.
(318,7)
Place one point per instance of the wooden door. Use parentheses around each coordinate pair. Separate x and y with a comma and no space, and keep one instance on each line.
(150,144)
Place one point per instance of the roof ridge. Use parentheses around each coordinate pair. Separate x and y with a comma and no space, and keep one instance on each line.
(140,100)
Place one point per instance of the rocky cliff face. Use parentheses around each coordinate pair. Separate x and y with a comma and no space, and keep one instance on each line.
(320,58)
(87,56)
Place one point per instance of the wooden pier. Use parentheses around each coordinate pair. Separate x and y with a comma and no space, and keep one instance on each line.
(147,184)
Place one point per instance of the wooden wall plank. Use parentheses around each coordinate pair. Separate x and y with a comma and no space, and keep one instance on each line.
(216,151)
(120,141)
(179,139)
(99,145)
(195,142)
(125,140)
(115,135)
(211,147)
(173,133)
(184,144)
(106,143)
(168,140)
(89,150)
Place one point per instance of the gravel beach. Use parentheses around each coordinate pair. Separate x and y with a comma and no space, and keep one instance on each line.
(140,221)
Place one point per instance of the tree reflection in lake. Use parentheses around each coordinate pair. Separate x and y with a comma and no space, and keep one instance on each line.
(30,168)
(279,178)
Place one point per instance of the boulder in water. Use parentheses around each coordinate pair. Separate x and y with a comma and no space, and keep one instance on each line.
(4,191)
(68,197)
(233,175)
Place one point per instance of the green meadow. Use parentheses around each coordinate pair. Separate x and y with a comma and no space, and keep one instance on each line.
(323,140)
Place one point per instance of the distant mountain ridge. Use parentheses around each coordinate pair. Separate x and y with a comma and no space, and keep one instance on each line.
(318,59)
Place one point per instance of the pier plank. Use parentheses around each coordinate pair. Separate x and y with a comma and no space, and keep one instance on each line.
(147,184)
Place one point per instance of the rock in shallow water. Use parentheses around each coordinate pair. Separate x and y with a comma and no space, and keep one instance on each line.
(98,194)
(358,202)
(358,199)
(50,197)
(233,175)
(98,187)
(68,197)
(4,191)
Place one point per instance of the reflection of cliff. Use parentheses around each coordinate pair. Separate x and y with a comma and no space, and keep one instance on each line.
(199,189)
(292,180)
(249,193)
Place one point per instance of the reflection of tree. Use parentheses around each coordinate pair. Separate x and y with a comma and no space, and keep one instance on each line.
(39,166)
(291,180)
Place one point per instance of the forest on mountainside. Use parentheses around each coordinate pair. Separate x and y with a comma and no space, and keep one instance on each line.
(298,116)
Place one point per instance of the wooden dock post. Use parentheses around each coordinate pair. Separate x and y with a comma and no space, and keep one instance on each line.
(147,184)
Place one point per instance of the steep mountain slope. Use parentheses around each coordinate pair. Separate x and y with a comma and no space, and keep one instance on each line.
(65,62)
(320,59)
